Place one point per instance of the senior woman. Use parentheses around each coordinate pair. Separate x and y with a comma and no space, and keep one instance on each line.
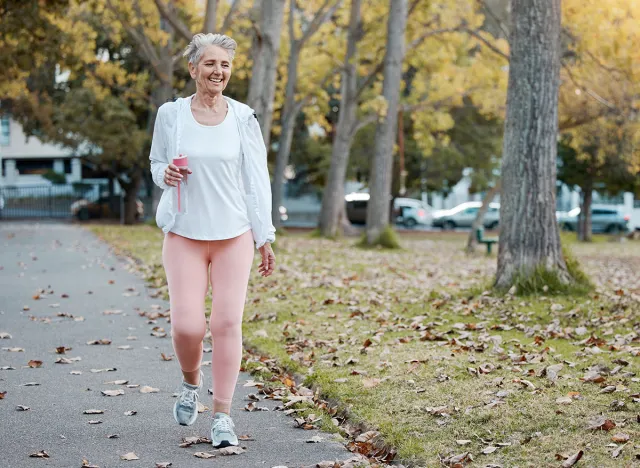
(229,208)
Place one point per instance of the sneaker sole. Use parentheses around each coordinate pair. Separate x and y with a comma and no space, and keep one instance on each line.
(223,444)
(175,416)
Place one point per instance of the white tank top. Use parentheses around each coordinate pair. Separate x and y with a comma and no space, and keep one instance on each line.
(216,204)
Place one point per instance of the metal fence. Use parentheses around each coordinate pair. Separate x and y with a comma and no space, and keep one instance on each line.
(42,201)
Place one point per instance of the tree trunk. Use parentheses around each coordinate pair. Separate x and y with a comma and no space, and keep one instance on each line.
(163,92)
(131,197)
(529,234)
(289,114)
(382,164)
(584,219)
(471,240)
(333,198)
(210,17)
(266,48)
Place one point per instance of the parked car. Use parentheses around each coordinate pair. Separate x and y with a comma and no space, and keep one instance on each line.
(356,204)
(104,207)
(464,214)
(604,218)
(412,212)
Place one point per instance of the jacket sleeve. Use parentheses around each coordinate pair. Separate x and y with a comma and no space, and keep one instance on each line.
(257,183)
(159,152)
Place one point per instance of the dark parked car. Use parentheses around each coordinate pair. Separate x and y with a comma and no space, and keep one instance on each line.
(357,203)
(103,207)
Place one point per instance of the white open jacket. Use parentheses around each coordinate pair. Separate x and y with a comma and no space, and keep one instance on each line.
(255,173)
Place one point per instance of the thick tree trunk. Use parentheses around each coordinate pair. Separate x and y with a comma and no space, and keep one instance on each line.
(529,235)
(584,219)
(131,196)
(382,164)
(266,49)
(479,221)
(333,198)
(289,114)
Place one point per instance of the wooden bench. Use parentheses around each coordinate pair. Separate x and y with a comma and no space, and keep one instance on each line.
(485,240)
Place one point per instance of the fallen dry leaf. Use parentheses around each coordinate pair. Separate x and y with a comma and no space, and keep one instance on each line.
(86,464)
(130,413)
(117,382)
(489,449)
(620,437)
(231,450)
(164,357)
(164,464)
(22,408)
(601,423)
(108,369)
(204,455)
(93,411)
(75,372)
(147,389)
(62,349)
(34,363)
(95,421)
(112,392)
(7,368)
(103,341)
(113,436)
(572,460)
(245,437)
(40,454)
(314,440)
(4,336)
(30,384)
(14,350)
(129,456)
(3,394)
(125,347)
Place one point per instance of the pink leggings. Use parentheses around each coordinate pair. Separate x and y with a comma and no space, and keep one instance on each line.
(186,263)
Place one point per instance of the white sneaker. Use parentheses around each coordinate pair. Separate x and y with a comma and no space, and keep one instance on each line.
(185,410)
(223,431)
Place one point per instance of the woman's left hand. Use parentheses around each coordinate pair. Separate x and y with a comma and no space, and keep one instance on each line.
(268,263)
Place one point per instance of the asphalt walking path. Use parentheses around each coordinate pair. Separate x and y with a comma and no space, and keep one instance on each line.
(62,287)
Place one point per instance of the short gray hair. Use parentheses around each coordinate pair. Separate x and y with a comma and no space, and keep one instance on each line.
(201,41)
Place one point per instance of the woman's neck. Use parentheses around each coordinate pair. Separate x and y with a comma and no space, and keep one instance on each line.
(209,102)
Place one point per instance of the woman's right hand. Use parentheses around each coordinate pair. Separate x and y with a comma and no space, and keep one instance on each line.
(173,174)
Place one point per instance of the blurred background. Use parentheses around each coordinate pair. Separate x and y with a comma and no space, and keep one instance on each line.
(81,82)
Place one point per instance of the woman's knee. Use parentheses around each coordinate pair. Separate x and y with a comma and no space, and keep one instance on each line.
(225,327)
(183,330)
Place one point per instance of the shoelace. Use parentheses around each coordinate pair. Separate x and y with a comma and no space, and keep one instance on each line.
(222,425)
(188,398)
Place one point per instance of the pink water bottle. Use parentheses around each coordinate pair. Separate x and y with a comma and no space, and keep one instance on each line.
(181,201)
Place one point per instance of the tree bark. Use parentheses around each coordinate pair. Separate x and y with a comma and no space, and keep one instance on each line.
(529,235)
(266,49)
(333,198)
(471,240)
(210,17)
(131,197)
(382,164)
(291,107)
(289,114)
(584,219)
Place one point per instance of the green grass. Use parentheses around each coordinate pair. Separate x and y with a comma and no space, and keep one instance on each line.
(328,299)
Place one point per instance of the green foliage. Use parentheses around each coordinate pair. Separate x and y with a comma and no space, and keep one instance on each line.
(55,177)
(388,239)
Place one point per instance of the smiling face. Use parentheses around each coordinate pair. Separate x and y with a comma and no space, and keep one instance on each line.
(213,71)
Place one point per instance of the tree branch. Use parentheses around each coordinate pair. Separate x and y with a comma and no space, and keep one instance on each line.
(226,24)
(147,49)
(477,35)
(319,19)
(591,93)
(500,24)
(173,19)
(292,10)
(415,43)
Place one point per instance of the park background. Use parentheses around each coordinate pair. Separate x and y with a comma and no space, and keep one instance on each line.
(391,101)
